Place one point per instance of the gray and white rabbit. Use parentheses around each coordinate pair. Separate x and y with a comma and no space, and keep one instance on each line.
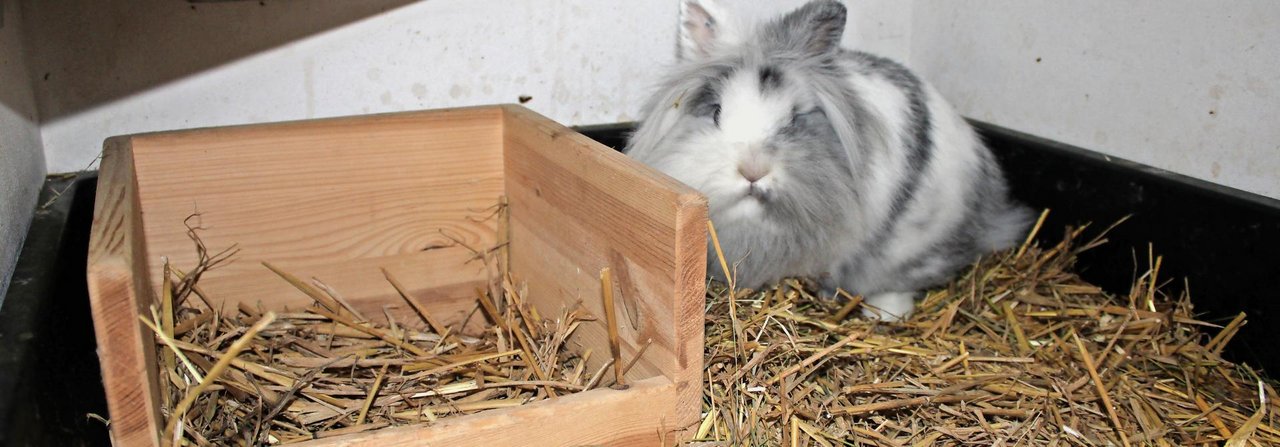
(823,162)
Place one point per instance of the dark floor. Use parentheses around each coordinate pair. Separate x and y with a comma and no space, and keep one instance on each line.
(49,378)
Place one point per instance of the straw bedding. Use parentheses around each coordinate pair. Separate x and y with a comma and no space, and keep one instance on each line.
(1017,350)
(247,377)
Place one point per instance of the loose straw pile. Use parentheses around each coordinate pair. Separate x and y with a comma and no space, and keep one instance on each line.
(247,377)
(1016,351)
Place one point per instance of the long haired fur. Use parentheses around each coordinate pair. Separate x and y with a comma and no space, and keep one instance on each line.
(823,162)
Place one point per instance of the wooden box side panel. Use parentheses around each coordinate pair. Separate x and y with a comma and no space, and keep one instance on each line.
(117,296)
(600,417)
(577,207)
(335,199)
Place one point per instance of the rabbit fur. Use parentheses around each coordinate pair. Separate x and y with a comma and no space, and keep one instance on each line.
(822,162)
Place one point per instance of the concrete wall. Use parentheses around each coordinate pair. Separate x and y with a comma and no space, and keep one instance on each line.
(580,61)
(21,159)
(1188,86)
(108,67)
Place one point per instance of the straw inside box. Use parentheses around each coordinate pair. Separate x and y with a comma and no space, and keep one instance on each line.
(244,376)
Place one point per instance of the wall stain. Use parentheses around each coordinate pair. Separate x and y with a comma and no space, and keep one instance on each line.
(1257,86)
(1216,91)
(459,91)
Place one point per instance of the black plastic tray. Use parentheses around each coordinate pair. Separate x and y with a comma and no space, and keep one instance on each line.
(1221,240)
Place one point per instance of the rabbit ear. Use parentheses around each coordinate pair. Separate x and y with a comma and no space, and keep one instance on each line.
(815,28)
(702,28)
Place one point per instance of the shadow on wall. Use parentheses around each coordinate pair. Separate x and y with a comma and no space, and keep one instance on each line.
(81,53)
(16,97)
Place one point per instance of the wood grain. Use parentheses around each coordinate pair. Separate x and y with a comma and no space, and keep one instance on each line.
(576,207)
(442,279)
(117,296)
(600,417)
(312,195)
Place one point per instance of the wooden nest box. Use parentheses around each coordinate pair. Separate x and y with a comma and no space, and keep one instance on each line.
(342,198)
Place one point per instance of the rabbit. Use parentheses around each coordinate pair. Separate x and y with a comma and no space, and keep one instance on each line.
(823,162)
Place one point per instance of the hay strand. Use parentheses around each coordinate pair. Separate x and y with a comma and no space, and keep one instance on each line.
(224,361)
(373,392)
(611,318)
(1101,387)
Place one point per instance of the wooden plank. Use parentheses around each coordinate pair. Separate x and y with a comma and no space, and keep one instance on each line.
(576,207)
(597,417)
(442,279)
(117,296)
(312,195)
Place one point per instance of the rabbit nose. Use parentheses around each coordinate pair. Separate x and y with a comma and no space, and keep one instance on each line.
(753,172)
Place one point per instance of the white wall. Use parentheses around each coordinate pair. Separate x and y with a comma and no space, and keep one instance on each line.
(1133,79)
(21,160)
(1188,86)
(582,61)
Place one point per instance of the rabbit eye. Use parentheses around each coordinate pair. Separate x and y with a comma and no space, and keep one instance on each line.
(715,114)
(798,115)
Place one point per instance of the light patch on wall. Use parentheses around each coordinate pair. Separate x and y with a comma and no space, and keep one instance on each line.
(1185,87)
